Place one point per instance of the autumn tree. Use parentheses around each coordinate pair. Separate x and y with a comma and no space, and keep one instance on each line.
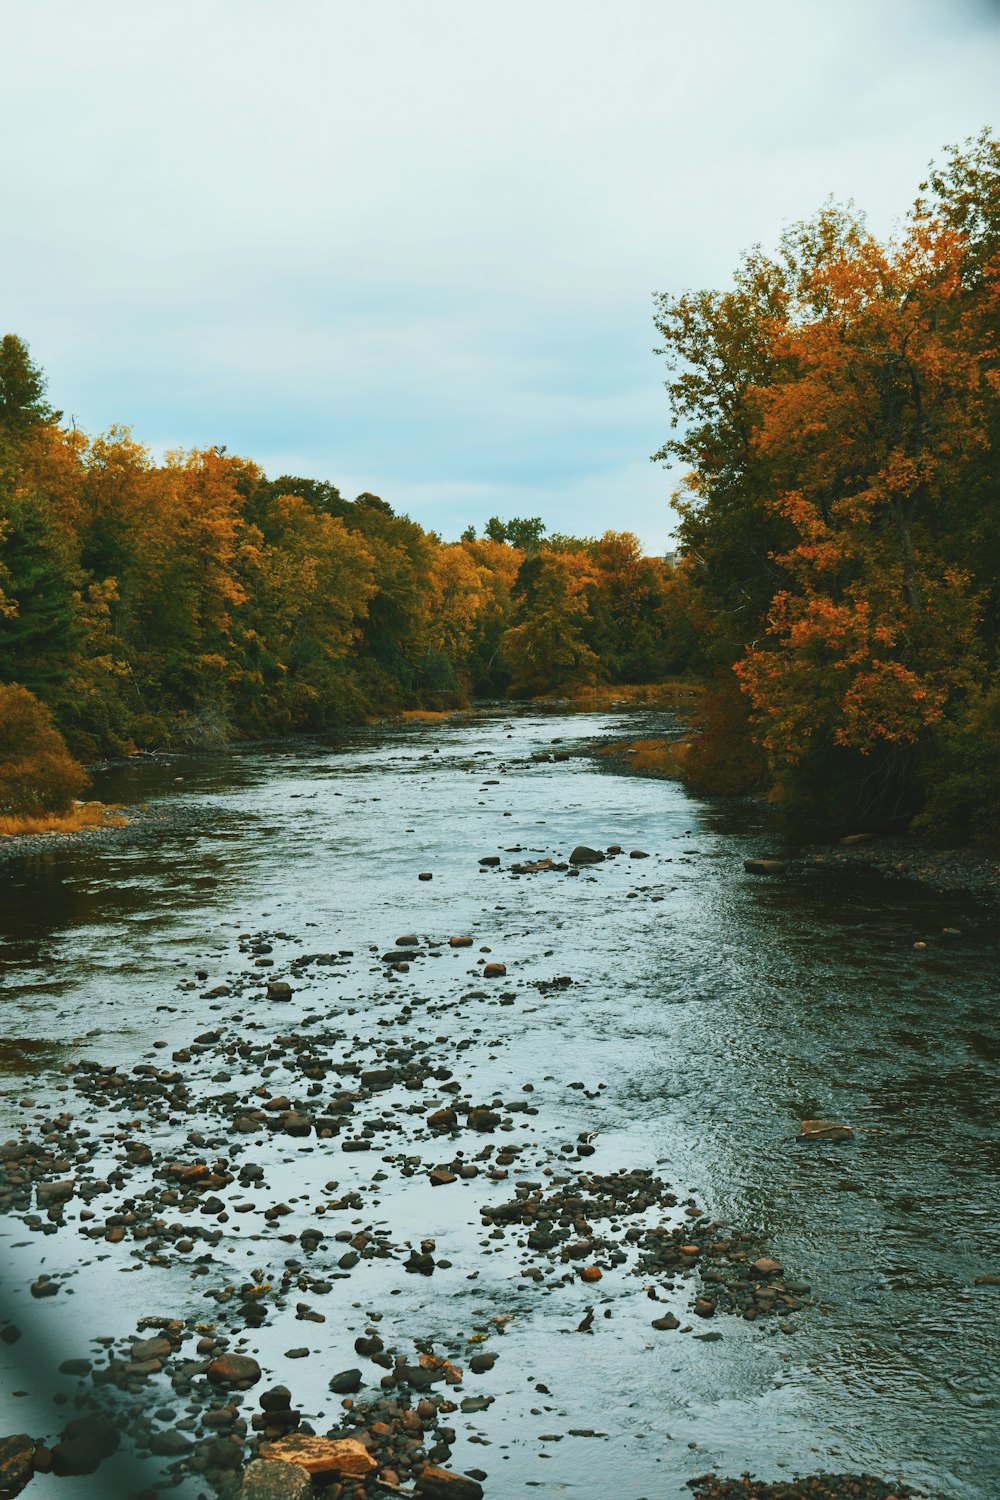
(37,772)
(545,649)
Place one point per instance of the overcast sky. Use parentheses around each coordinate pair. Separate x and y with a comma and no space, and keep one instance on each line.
(410,246)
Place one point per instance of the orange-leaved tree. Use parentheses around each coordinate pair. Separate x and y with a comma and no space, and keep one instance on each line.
(37,772)
(878,402)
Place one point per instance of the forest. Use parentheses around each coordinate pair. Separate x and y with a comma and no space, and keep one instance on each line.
(837,591)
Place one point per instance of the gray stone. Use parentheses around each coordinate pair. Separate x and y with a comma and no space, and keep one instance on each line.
(273,1479)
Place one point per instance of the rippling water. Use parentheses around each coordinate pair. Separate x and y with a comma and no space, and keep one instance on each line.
(717,1009)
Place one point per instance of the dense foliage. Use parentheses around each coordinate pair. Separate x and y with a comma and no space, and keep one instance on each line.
(196,599)
(839,408)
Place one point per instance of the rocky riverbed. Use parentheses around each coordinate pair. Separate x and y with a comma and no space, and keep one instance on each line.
(402,1184)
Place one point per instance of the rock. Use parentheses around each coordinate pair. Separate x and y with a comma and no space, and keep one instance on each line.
(278,989)
(584,855)
(169,1444)
(234,1370)
(638,854)
(824,1130)
(441,1177)
(295,1122)
(764,866)
(590,1273)
(441,1484)
(460,942)
(17,1463)
(666,1322)
(55,1192)
(442,1119)
(266,1479)
(85,1441)
(154,1348)
(765,1267)
(425,875)
(319,1455)
(75,1456)
(346,1383)
(856,838)
(494,971)
(377,1078)
(409,941)
(490,860)
(484,1119)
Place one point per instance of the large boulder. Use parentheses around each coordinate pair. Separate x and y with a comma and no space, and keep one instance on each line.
(584,855)
(319,1455)
(236,1371)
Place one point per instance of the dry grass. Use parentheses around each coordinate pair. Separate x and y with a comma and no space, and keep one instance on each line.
(679,694)
(431,715)
(81,815)
(657,757)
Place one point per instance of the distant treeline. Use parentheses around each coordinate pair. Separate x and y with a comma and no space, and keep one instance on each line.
(196,600)
(839,410)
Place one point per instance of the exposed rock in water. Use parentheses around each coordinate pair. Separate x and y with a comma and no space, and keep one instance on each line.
(764,866)
(268,1479)
(319,1455)
(441,1484)
(237,1370)
(584,855)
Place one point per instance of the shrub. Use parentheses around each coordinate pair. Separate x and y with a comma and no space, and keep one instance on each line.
(723,759)
(37,772)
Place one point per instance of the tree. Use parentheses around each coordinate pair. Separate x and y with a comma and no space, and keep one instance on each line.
(37,772)
(22,390)
(879,407)
(545,648)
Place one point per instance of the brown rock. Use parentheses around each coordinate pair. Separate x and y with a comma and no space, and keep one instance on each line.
(237,1370)
(319,1455)
(765,1267)
(764,866)
(460,942)
(584,855)
(441,1484)
(494,971)
(590,1273)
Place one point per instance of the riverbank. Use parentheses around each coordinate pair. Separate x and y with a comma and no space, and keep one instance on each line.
(969,871)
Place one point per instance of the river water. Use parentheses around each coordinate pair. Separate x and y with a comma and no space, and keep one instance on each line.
(709,1012)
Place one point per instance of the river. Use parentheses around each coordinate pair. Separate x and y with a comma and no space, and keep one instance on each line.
(707,1012)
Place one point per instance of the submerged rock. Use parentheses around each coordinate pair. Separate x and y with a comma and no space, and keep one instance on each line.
(824,1130)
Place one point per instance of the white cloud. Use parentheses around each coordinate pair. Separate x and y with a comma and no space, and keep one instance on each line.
(419,241)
